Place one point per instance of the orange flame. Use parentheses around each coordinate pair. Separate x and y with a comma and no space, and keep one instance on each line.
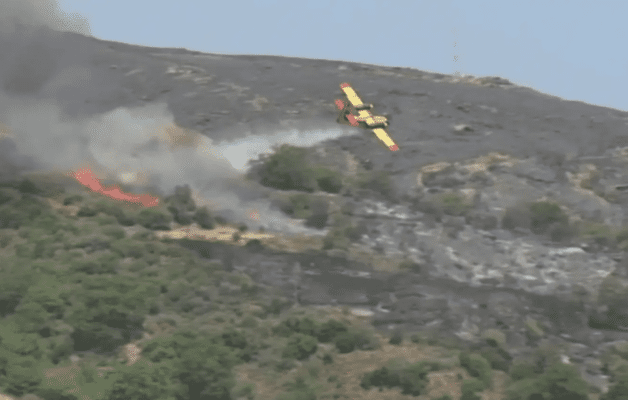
(87,178)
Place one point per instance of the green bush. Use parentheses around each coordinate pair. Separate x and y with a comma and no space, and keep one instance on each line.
(72,199)
(292,325)
(5,239)
(617,391)
(379,182)
(559,381)
(287,169)
(319,216)
(204,219)
(336,239)
(520,370)
(128,248)
(27,186)
(86,211)
(412,379)
(354,232)
(5,196)
(353,339)
(544,214)
(516,217)
(498,358)
(300,347)
(114,232)
(328,181)
(476,366)
(396,338)
(328,331)
(470,387)
(298,390)
(454,204)
(154,219)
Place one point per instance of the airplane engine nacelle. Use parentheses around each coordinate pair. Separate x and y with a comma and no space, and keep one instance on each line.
(364,107)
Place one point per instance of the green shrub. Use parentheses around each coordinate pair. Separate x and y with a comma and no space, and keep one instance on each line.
(415,338)
(353,339)
(476,366)
(516,217)
(114,232)
(454,204)
(336,239)
(563,381)
(86,211)
(154,219)
(498,358)
(544,214)
(329,330)
(5,239)
(292,325)
(617,391)
(328,359)
(408,265)
(345,342)
(204,218)
(470,387)
(285,364)
(396,338)
(103,220)
(354,232)
(287,169)
(300,347)
(319,216)
(254,245)
(525,389)
(249,322)
(27,186)
(379,182)
(128,248)
(412,379)
(559,381)
(5,196)
(328,181)
(72,199)
(298,390)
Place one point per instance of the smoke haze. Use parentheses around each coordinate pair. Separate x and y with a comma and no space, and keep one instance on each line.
(142,146)
(27,15)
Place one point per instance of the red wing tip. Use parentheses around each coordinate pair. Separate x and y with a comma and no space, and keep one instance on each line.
(344,85)
(394,147)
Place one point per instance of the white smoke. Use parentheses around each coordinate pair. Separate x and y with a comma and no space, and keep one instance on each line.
(19,15)
(143,147)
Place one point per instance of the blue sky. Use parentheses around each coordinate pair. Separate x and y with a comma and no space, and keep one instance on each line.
(573,49)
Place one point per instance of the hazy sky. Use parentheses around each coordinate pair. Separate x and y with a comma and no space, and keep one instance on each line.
(572,49)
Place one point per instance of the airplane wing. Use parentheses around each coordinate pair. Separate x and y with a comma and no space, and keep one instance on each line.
(351,95)
(383,136)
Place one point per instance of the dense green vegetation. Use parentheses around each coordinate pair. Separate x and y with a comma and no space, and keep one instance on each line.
(288,169)
(411,378)
(88,285)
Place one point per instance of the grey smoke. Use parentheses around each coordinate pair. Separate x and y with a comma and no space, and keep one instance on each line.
(23,16)
(140,147)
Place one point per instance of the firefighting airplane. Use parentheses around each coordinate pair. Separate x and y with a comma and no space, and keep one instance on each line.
(376,122)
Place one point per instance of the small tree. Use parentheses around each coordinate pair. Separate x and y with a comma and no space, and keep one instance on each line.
(300,346)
